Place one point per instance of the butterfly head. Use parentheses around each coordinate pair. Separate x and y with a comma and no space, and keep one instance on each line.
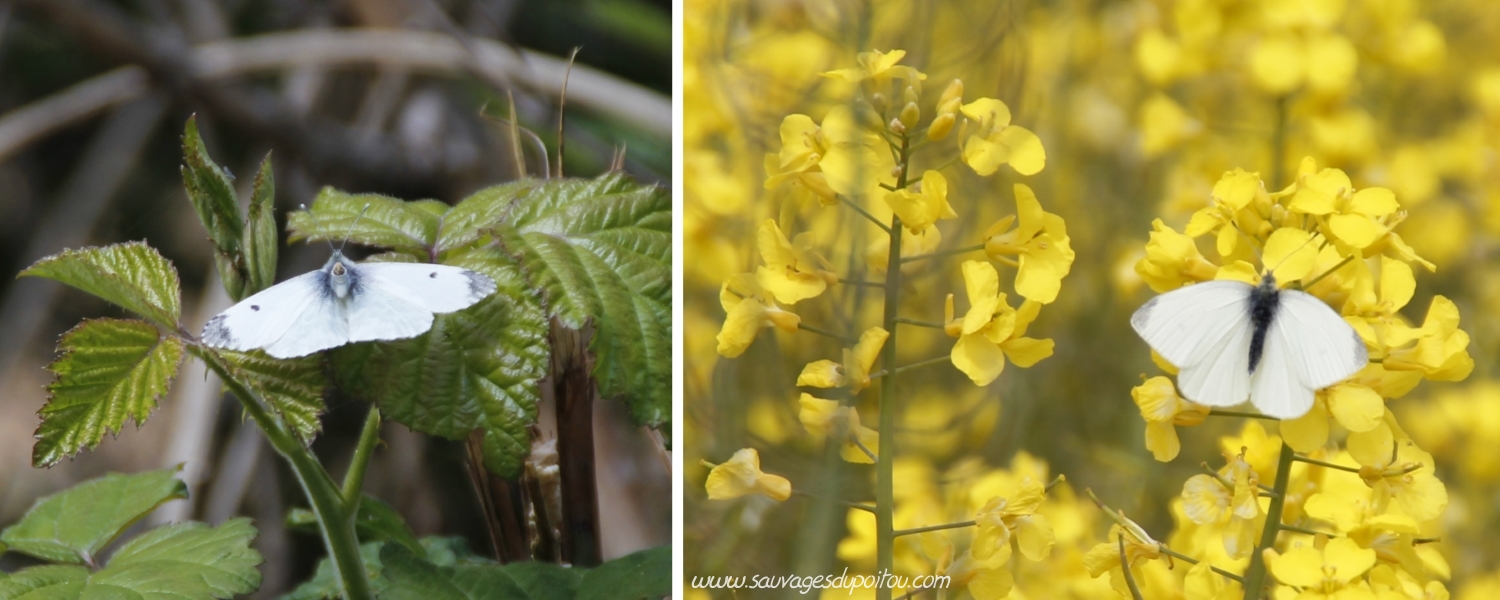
(341,275)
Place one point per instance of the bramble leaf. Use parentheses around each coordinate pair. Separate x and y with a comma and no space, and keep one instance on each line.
(293,386)
(132,275)
(412,578)
(376,522)
(185,560)
(409,227)
(73,525)
(644,574)
(111,370)
(602,250)
(467,221)
(476,368)
(441,551)
(261,238)
(211,190)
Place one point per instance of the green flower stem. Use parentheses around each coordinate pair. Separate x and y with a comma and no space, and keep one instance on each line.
(854,505)
(1255,577)
(916,530)
(1285,527)
(824,333)
(1135,592)
(1193,561)
(1314,281)
(354,479)
(335,522)
(928,324)
(916,365)
(866,214)
(885,477)
(1216,412)
(942,253)
(1314,461)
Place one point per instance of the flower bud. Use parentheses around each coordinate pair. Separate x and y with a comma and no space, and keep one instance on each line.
(940,127)
(954,93)
(877,100)
(910,114)
(909,95)
(896,126)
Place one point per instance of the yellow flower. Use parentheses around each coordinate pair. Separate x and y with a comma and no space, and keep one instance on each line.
(1015,514)
(1399,470)
(1231,496)
(987,579)
(793,272)
(996,142)
(855,370)
(1040,240)
(827,417)
(1139,549)
(1347,505)
(1163,411)
(1164,125)
(1354,218)
(843,151)
(947,112)
(1172,260)
(991,331)
(1281,63)
(1332,573)
(741,476)
(1353,403)
(878,67)
(749,310)
(922,208)
(1376,316)
(1237,198)
(1441,352)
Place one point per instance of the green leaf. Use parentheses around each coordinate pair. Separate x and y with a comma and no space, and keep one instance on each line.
(409,227)
(45,583)
(111,370)
(416,579)
(602,250)
(73,525)
(132,275)
(293,386)
(211,190)
(261,235)
(644,574)
(440,551)
(376,522)
(183,560)
(476,368)
(467,222)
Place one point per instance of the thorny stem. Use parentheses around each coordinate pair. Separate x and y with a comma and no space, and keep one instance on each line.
(1255,576)
(1314,461)
(335,520)
(916,530)
(885,531)
(942,253)
(855,505)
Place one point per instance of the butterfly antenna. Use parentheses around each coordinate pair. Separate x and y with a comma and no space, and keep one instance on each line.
(314,216)
(352,225)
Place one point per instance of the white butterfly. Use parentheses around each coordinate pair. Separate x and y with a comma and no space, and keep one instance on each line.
(345,302)
(1231,341)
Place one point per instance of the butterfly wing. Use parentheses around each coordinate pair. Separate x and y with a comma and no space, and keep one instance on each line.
(1204,330)
(264,317)
(1312,348)
(377,314)
(436,288)
(322,325)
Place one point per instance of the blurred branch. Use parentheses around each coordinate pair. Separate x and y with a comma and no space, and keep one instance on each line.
(22,126)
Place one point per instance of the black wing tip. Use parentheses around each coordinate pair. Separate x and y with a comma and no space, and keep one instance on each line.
(480,285)
(216,334)
(1361,353)
(1143,314)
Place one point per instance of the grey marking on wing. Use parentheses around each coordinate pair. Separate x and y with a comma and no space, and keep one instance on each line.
(1361,354)
(1143,314)
(480,285)
(216,334)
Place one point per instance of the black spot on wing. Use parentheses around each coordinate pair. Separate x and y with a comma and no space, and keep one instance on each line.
(480,285)
(1143,314)
(216,334)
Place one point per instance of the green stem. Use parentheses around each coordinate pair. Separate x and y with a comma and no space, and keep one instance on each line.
(1314,281)
(334,522)
(928,324)
(855,505)
(1255,577)
(1285,527)
(1219,412)
(866,214)
(885,478)
(824,333)
(942,253)
(1193,561)
(916,365)
(916,530)
(1135,592)
(354,479)
(1314,461)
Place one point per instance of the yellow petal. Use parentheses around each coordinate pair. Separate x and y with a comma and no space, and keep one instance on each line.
(991,584)
(1043,267)
(1289,254)
(983,155)
(912,208)
(1276,64)
(1026,352)
(1331,63)
(741,475)
(935,189)
(1397,283)
(741,325)
(868,348)
(1205,500)
(850,168)
(789,286)
(1308,432)
(989,112)
(978,358)
(1373,447)
(796,154)
(1157,399)
(1237,271)
(1161,440)
(1237,188)
(1024,148)
(1034,536)
(1357,407)
(1301,566)
(1356,230)
(854,453)
(1029,211)
(816,414)
(1374,202)
(822,374)
(1347,559)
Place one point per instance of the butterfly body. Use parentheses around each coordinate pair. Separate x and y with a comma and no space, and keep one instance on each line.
(345,302)
(1232,341)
